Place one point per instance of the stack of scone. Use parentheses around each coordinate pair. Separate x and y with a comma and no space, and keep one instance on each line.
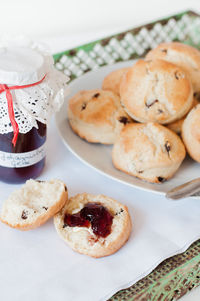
(141,110)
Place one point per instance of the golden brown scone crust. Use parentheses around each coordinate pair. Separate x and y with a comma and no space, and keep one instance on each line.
(184,56)
(191,133)
(97,115)
(82,239)
(156,91)
(112,81)
(176,126)
(148,151)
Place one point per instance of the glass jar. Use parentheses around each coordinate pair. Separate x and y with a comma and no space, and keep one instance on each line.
(31,91)
(26,159)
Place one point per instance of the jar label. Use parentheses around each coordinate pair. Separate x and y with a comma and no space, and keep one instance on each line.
(18,160)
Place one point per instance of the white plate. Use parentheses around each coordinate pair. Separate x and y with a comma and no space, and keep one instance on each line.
(98,156)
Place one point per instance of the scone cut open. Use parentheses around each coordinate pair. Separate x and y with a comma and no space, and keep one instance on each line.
(32,205)
(104,227)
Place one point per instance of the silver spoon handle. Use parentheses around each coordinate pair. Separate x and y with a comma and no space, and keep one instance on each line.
(184,190)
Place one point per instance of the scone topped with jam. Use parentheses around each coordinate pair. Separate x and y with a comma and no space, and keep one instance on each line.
(148,151)
(94,225)
(156,91)
(97,116)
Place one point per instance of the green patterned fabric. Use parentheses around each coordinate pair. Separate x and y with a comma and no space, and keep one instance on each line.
(181,273)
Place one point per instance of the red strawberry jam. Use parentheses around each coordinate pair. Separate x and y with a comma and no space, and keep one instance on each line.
(92,214)
(75,220)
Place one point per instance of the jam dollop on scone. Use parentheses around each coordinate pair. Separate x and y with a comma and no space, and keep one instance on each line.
(156,91)
(97,116)
(96,226)
(94,215)
(149,151)
(182,55)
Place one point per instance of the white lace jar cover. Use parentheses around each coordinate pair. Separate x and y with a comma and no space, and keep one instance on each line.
(24,63)
(31,90)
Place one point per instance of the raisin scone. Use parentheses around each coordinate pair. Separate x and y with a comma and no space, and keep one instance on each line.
(184,56)
(191,133)
(97,116)
(156,91)
(32,205)
(112,81)
(176,126)
(94,225)
(148,151)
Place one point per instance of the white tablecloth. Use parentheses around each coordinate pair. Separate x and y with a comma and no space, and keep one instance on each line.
(37,265)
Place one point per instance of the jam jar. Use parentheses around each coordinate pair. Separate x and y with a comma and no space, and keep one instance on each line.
(26,159)
(31,90)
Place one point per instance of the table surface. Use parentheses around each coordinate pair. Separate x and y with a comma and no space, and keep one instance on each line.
(65,25)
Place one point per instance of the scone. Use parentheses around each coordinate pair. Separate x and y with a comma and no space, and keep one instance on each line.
(112,81)
(97,116)
(148,151)
(191,133)
(176,126)
(156,91)
(33,204)
(94,225)
(184,56)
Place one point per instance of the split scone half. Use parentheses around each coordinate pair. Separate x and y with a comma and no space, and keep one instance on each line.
(106,224)
(33,204)
(148,151)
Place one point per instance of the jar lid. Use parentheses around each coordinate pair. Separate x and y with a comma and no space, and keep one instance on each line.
(21,66)
(36,88)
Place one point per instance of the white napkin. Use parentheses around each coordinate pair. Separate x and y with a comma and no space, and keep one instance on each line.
(38,265)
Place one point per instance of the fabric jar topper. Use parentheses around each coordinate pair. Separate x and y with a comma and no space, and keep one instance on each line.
(31,88)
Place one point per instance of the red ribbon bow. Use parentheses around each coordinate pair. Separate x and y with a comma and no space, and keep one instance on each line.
(5,88)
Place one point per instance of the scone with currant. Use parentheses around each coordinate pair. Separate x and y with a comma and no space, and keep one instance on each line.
(97,116)
(33,204)
(148,151)
(182,55)
(94,225)
(156,91)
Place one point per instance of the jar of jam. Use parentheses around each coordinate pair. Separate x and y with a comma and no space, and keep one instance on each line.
(31,90)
